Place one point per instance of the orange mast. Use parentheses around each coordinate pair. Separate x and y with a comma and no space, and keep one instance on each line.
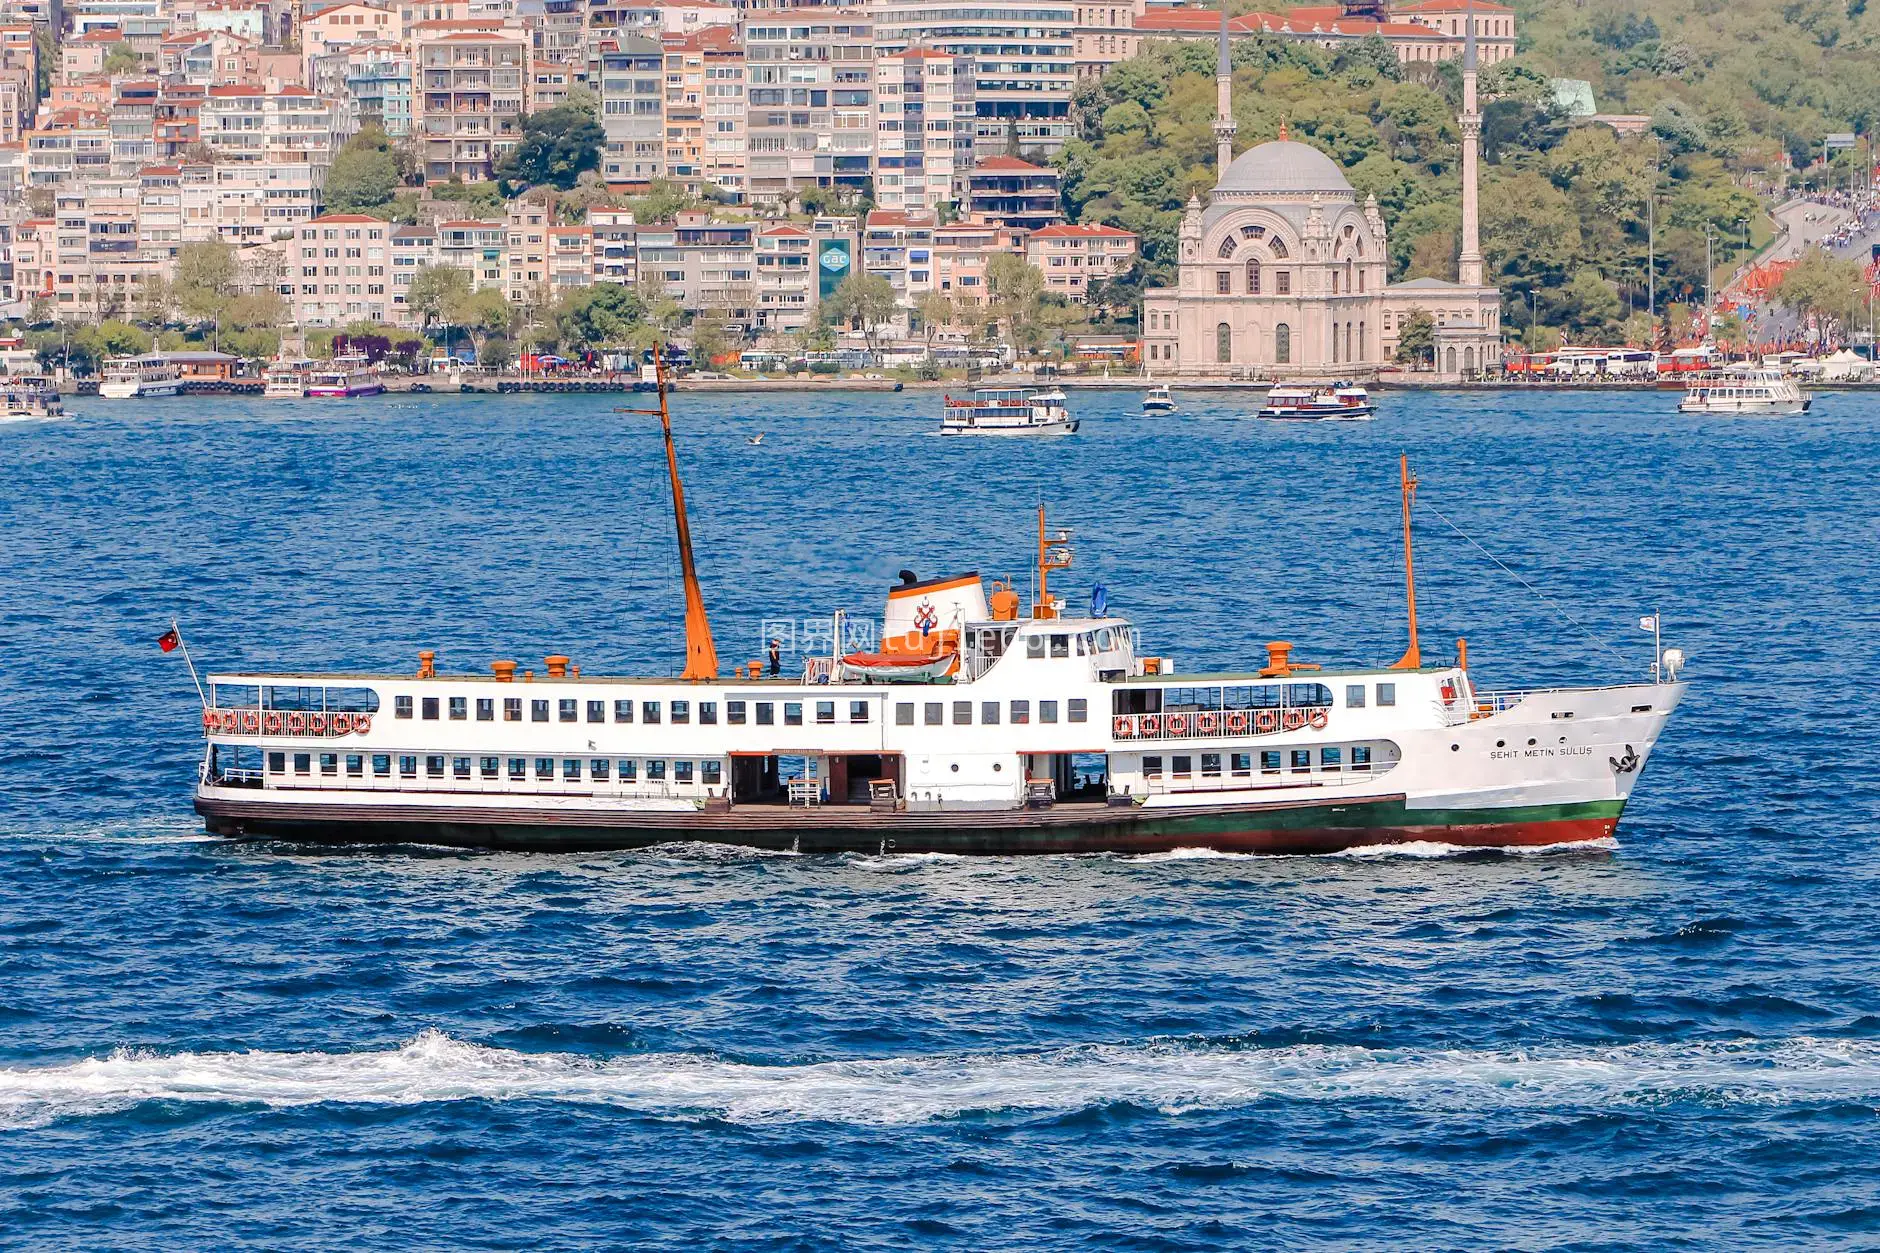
(1053,554)
(701,655)
(1413,656)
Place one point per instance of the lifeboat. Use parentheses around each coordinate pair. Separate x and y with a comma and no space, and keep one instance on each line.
(920,630)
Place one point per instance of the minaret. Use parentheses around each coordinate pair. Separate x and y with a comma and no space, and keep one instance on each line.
(1223,105)
(1469,264)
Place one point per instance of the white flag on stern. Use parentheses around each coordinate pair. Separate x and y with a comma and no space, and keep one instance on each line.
(1649,623)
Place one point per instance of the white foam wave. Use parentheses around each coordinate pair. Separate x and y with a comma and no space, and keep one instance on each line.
(1171,1077)
(1435,848)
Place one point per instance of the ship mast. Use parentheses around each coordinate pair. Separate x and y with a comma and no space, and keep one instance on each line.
(1054,553)
(701,655)
(1413,656)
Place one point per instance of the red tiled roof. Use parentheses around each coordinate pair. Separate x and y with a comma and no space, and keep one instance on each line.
(894,217)
(350,218)
(100,35)
(786,230)
(1007,164)
(1087,230)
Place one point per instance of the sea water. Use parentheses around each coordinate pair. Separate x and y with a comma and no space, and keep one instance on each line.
(1670,1038)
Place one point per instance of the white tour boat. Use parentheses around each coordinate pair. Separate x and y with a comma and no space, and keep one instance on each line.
(31,396)
(287,380)
(1306,402)
(1008,411)
(1005,731)
(133,378)
(1158,400)
(1745,389)
(345,377)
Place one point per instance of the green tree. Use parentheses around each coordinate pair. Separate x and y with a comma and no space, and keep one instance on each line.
(207,278)
(1416,339)
(663,201)
(364,176)
(1820,284)
(436,290)
(710,339)
(484,313)
(933,310)
(1016,289)
(556,147)
(121,60)
(604,315)
(864,301)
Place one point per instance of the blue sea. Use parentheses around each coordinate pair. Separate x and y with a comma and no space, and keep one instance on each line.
(1670,1040)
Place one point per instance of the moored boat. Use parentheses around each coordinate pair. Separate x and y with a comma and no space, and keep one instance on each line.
(1034,730)
(1754,390)
(1008,411)
(345,378)
(134,378)
(1306,402)
(285,379)
(31,396)
(1158,400)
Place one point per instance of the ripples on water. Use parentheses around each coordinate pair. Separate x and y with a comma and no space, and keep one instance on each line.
(1674,1039)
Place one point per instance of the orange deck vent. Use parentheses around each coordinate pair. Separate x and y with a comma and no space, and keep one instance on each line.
(574,672)
(427,663)
(557,666)
(1004,603)
(1278,660)
(756,668)
(505,671)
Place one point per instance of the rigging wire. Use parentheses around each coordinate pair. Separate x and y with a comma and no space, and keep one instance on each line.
(1555,605)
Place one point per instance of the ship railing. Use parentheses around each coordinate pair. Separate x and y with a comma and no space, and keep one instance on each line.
(1478,704)
(1214,724)
(819,670)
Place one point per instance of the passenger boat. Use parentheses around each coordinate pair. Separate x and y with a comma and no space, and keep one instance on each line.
(345,378)
(287,380)
(1008,411)
(133,378)
(1745,390)
(32,396)
(1045,731)
(1309,403)
(1158,400)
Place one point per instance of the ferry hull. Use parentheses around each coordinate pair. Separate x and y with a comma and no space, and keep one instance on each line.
(1324,827)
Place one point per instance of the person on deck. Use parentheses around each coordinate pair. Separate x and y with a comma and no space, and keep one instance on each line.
(776,658)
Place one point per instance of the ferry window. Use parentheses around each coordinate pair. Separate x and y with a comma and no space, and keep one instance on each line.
(1360,757)
(1152,766)
(1080,709)
(597,711)
(766,713)
(277,763)
(1211,765)
(1241,764)
(681,772)
(629,771)
(708,713)
(571,769)
(649,711)
(518,768)
(1047,711)
(1386,695)
(1034,646)
(460,766)
(1354,696)
(681,711)
(1082,642)
(486,709)
(825,711)
(734,712)
(356,765)
(430,709)
(434,766)
(1021,712)
(512,709)
(655,771)
(1308,695)
(1138,700)
(597,769)
(382,765)
(1182,767)
(1332,758)
(569,709)
(490,766)
(538,711)
(711,772)
(459,708)
(1301,760)
(962,713)
(1060,645)
(792,713)
(623,711)
(1269,761)
(408,765)
(401,707)
(545,768)
(989,713)
(858,711)
(303,763)
(934,713)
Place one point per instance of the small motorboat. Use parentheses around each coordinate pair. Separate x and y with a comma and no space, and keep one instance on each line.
(1309,403)
(1158,400)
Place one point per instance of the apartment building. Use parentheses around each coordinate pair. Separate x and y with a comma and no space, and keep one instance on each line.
(685,111)
(899,247)
(472,94)
(476,247)
(413,248)
(1023,58)
(963,252)
(723,122)
(337,266)
(809,101)
(247,203)
(378,78)
(177,124)
(614,246)
(1013,192)
(97,265)
(68,146)
(797,268)
(352,22)
(925,122)
(209,59)
(570,258)
(704,265)
(133,122)
(283,125)
(628,73)
(1072,256)
(525,251)
(19,80)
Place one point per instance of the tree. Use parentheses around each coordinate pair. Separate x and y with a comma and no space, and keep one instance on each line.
(604,315)
(364,176)
(864,300)
(483,313)
(663,201)
(557,145)
(435,290)
(121,60)
(933,310)
(1820,284)
(207,278)
(1016,288)
(710,339)
(1416,338)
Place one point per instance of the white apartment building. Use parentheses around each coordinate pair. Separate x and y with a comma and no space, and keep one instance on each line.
(925,123)
(471,95)
(1023,56)
(628,72)
(1071,256)
(283,125)
(337,266)
(809,101)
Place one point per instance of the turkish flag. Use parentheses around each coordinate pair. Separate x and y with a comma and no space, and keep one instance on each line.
(169,640)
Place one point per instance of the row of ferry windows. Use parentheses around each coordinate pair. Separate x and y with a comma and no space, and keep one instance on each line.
(439,765)
(651,712)
(1152,700)
(934,712)
(1272,761)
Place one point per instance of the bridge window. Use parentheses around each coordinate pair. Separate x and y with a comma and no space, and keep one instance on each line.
(1227,247)
(512,709)
(434,765)
(401,706)
(712,772)
(1269,761)
(1034,646)
(1386,695)
(1021,712)
(734,712)
(382,765)
(1060,645)
(858,711)
(988,713)
(1080,709)
(408,765)
(597,769)
(962,713)
(1047,711)
(597,711)
(792,713)
(766,713)
(629,771)
(430,708)
(655,771)
(681,772)
(545,769)
(518,769)
(649,711)
(486,709)
(681,712)
(623,711)
(825,711)
(460,766)
(571,769)
(1152,767)
(538,711)
(569,710)
(1354,696)
(708,713)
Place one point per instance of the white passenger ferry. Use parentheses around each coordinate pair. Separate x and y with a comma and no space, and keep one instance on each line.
(31,396)
(979,727)
(287,380)
(133,378)
(346,377)
(1008,411)
(1745,389)
(1303,402)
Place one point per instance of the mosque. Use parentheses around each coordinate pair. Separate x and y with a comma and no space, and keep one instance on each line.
(1282,275)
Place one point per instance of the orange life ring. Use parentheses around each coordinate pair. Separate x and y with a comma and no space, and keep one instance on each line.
(231,721)
(1237,722)
(1266,720)
(316,724)
(251,721)
(362,723)
(1123,727)
(1151,725)
(1295,719)
(1207,723)
(1319,719)
(1176,724)
(273,723)
(210,720)
(342,724)
(296,724)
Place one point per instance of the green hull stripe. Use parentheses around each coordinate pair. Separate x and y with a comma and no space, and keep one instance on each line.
(1361,815)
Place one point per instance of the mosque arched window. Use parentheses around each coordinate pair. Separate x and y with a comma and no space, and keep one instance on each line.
(1223,343)
(1253,232)
(1279,247)
(1227,247)
(1253,277)
(1282,344)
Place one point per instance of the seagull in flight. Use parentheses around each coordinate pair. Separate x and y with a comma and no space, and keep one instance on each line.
(757,438)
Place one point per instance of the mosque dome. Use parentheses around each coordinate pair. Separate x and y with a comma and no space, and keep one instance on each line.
(1287,167)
